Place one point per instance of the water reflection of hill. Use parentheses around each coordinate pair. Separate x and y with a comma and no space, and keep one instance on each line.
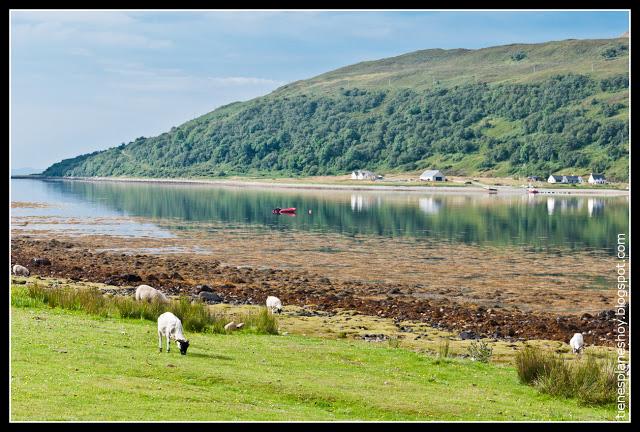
(574,222)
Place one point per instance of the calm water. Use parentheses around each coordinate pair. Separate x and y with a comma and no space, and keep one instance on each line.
(586,223)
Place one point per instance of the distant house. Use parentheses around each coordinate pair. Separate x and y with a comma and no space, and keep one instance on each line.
(597,179)
(571,179)
(567,179)
(364,175)
(432,175)
(533,178)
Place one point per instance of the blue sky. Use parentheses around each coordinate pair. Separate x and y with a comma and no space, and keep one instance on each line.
(88,80)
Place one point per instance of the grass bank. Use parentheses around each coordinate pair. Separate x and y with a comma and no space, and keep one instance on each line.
(590,380)
(195,316)
(70,365)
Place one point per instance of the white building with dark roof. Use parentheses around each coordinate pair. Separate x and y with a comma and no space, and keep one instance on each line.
(597,179)
(432,175)
(364,175)
(571,179)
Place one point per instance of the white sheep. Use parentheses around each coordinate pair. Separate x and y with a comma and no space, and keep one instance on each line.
(19,270)
(577,343)
(147,293)
(274,304)
(170,327)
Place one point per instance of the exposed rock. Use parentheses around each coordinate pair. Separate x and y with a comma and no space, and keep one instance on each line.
(233,326)
(375,337)
(130,277)
(210,297)
(369,298)
(41,261)
(203,288)
(467,334)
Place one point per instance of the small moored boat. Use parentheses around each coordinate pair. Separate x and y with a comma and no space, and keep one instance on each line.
(278,210)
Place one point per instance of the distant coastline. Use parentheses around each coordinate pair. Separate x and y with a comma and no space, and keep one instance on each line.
(458,189)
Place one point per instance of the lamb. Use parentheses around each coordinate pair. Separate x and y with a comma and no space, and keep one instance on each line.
(170,327)
(147,293)
(274,305)
(577,343)
(19,270)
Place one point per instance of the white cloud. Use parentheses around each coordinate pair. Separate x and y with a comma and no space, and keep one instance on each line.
(126,40)
(81,29)
(93,17)
(244,81)
(137,77)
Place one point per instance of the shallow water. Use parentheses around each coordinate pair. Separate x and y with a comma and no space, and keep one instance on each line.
(163,210)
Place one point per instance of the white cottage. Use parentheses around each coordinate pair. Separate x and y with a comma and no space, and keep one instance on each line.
(432,175)
(597,179)
(364,175)
(571,179)
(554,179)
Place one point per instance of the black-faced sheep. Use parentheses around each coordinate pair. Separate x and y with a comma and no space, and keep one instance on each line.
(170,327)
(577,343)
(274,305)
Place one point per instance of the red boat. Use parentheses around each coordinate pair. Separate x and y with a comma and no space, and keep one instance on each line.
(289,210)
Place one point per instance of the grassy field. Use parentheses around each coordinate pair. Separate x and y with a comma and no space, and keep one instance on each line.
(67,365)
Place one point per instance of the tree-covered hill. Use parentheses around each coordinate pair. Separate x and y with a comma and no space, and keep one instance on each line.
(516,109)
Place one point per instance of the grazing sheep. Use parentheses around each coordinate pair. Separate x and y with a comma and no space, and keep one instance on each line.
(19,270)
(170,327)
(147,293)
(577,343)
(274,304)
(233,326)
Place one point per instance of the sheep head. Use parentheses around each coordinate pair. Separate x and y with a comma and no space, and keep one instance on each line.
(183,345)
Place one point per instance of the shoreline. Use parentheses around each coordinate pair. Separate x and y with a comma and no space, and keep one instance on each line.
(85,260)
(462,189)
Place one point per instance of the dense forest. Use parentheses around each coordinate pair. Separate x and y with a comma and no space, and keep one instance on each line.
(571,123)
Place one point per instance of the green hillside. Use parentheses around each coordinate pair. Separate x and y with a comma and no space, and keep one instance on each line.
(515,109)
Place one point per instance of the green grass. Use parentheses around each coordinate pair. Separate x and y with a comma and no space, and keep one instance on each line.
(588,379)
(447,68)
(196,316)
(69,365)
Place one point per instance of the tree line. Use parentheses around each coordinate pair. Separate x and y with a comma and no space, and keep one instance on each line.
(550,127)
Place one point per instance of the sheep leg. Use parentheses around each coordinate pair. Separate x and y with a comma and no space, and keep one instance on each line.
(160,341)
(168,341)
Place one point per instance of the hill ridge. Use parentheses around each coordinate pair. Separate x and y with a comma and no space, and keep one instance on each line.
(510,109)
